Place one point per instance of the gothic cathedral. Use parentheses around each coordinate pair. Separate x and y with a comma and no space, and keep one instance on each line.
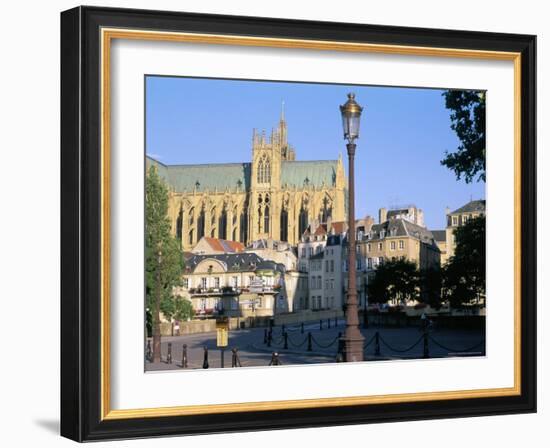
(274,196)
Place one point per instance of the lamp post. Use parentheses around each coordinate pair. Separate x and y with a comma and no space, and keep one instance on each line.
(353,339)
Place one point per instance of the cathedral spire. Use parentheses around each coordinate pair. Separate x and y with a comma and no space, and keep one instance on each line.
(282,128)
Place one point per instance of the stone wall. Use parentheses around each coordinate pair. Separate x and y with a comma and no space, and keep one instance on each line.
(189,327)
(306,316)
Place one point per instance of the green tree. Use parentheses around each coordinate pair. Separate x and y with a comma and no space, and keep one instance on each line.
(394,281)
(468,121)
(178,308)
(163,255)
(431,282)
(464,273)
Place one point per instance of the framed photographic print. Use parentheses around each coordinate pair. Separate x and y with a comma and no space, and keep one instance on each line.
(273,223)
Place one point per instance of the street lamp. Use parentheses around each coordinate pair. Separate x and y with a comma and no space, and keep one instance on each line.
(353,339)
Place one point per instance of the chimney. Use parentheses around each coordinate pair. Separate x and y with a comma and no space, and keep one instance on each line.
(382,215)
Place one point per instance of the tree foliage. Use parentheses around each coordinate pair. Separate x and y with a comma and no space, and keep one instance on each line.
(464,274)
(163,255)
(178,308)
(468,121)
(431,282)
(394,281)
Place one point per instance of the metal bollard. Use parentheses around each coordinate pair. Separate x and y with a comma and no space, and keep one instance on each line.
(328,322)
(265,335)
(149,354)
(335,322)
(269,338)
(283,328)
(275,359)
(184,356)
(302,328)
(309,342)
(233,357)
(205,361)
(340,351)
(169,355)
(426,347)
(377,344)
(285,335)
(320,324)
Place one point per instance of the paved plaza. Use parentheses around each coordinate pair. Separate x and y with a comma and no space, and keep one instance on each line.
(390,343)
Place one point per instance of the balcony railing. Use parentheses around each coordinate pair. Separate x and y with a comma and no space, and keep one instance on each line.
(232,291)
(225,290)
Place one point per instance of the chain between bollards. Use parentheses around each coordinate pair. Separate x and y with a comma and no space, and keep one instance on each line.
(377,344)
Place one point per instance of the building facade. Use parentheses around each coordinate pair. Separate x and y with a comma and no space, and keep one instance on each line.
(459,217)
(399,237)
(240,285)
(236,285)
(326,276)
(273,196)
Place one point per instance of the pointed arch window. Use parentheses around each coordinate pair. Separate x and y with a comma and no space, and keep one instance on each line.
(266,219)
(243,227)
(213,217)
(200,225)
(179,225)
(222,225)
(326,210)
(302,221)
(264,171)
(191,216)
(284,225)
(260,219)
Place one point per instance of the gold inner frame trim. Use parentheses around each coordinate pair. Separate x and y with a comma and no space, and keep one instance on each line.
(107,35)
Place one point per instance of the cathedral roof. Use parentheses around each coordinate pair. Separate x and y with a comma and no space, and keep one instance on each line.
(313,172)
(211,176)
(222,176)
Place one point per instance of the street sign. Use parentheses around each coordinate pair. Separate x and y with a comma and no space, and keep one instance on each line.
(222,332)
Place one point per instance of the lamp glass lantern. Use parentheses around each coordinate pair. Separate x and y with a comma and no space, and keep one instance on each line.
(351,118)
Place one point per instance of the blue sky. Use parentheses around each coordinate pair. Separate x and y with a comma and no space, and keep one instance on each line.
(404,134)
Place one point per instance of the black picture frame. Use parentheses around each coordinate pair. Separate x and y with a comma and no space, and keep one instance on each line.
(81,224)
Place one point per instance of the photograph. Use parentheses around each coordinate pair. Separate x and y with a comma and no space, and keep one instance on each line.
(272,223)
(295,223)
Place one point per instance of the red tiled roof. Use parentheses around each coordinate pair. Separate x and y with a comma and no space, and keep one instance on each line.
(321,230)
(339,227)
(224,245)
